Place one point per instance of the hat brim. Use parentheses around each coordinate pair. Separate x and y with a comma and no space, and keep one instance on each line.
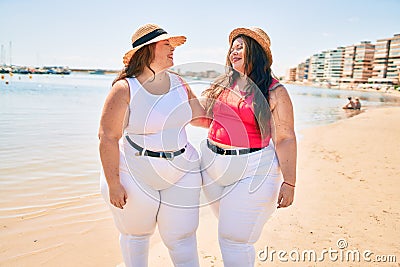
(254,35)
(173,40)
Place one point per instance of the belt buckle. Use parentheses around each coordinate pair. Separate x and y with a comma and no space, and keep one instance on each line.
(140,153)
(168,155)
(220,150)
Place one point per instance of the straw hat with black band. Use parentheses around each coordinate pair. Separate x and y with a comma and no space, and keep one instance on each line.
(150,33)
(258,35)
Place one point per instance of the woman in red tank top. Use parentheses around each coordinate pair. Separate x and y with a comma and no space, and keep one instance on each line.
(249,159)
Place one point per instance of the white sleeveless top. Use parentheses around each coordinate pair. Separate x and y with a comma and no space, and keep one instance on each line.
(157,122)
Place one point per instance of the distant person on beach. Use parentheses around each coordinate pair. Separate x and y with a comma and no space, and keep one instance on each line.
(249,159)
(357,103)
(151,173)
(350,104)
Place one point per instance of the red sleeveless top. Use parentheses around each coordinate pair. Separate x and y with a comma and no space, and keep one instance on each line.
(234,123)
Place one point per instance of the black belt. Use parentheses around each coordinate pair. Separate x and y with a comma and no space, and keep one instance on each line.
(222,151)
(159,154)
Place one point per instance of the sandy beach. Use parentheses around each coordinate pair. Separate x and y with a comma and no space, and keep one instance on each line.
(347,190)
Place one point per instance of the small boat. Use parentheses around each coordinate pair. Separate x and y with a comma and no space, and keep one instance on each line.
(98,72)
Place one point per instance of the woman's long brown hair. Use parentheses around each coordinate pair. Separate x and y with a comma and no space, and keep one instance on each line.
(141,59)
(259,77)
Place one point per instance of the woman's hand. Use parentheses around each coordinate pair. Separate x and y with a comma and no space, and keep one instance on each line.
(197,105)
(286,196)
(118,195)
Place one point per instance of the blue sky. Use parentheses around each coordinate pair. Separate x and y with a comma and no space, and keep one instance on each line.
(96,33)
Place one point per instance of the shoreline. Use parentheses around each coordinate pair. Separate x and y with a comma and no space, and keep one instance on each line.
(391,92)
(347,188)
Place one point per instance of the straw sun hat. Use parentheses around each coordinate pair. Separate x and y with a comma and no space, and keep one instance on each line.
(258,35)
(150,33)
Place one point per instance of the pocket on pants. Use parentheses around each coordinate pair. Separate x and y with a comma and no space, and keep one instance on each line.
(223,169)
(158,173)
(228,169)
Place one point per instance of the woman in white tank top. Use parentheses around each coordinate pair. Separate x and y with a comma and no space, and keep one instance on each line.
(151,174)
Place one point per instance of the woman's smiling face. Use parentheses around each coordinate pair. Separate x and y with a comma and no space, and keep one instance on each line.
(164,54)
(236,55)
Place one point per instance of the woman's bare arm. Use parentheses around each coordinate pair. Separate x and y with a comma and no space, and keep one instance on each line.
(284,138)
(110,132)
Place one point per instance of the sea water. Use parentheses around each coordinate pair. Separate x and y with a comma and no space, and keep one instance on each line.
(49,124)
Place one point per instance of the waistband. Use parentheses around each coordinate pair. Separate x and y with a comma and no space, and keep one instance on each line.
(222,151)
(157,154)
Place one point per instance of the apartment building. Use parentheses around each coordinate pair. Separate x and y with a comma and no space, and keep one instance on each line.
(393,71)
(348,64)
(363,62)
(300,71)
(333,68)
(386,65)
(380,64)
(291,74)
(357,66)
(316,67)
(306,69)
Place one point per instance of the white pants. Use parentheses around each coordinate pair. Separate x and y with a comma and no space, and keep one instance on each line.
(175,210)
(243,208)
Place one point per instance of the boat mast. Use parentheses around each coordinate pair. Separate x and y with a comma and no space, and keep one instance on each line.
(10,53)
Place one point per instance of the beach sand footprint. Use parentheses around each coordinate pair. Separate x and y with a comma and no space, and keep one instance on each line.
(210,260)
